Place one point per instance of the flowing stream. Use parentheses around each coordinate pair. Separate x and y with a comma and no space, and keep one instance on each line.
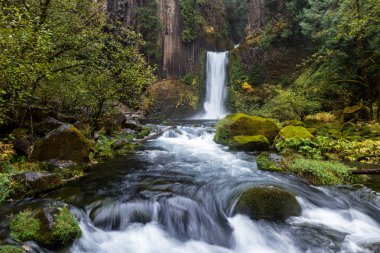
(216,91)
(177,195)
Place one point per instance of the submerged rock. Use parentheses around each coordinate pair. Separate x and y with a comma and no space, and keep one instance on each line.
(64,143)
(53,227)
(294,132)
(268,203)
(356,113)
(243,125)
(249,143)
(33,183)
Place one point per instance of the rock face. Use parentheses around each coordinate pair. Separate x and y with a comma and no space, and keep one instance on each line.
(32,183)
(356,113)
(64,143)
(294,132)
(53,227)
(170,98)
(248,143)
(244,125)
(268,203)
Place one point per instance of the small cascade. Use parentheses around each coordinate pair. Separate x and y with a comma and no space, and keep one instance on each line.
(216,90)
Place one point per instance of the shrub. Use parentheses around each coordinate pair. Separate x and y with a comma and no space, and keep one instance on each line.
(322,172)
(11,249)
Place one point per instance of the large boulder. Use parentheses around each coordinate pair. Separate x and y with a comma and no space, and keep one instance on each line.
(294,132)
(53,227)
(33,183)
(243,125)
(248,143)
(356,113)
(171,98)
(64,143)
(268,203)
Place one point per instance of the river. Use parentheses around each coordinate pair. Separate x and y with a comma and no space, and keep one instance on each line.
(177,195)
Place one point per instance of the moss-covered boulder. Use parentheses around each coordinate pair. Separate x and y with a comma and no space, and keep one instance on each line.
(34,183)
(268,203)
(64,143)
(265,162)
(249,143)
(294,132)
(11,249)
(243,125)
(51,227)
(170,98)
(293,123)
(356,113)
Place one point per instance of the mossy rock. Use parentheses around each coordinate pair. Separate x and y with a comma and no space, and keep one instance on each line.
(294,132)
(268,203)
(250,143)
(264,162)
(64,143)
(356,113)
(52,227)
(243,125)
(11,249)
(34,183)
(312,130)
(293,123)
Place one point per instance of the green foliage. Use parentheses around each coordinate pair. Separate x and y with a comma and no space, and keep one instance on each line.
(105,147)
(149,26)
(11,249)
(61,54)
(309,148)
(237,18)
(190,20)
(264,163)
(24,226)
(290,104)
(322,172)
(5,186)
(145,131)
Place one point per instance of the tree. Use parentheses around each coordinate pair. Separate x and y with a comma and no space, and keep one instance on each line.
(61,54)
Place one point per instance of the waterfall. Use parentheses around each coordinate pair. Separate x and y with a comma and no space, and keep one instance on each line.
(216,91)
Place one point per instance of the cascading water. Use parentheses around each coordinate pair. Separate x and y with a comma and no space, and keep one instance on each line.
(216,91)
(178,196)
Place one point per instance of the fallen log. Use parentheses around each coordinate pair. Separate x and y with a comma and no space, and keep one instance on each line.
(366,172)
(154,135)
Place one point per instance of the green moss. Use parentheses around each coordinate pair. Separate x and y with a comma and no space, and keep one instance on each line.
(52,233)
(267,202)
(293,123)
(24,226)
(11,249)
(294,132)
(322,172)
(250,143)
(65,230)
(264,163)
(243,125)
(357,112)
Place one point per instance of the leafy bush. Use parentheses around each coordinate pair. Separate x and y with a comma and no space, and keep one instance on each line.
(322,172)
(309,148)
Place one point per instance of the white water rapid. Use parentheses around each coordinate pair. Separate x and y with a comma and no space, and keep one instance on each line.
(216,91)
